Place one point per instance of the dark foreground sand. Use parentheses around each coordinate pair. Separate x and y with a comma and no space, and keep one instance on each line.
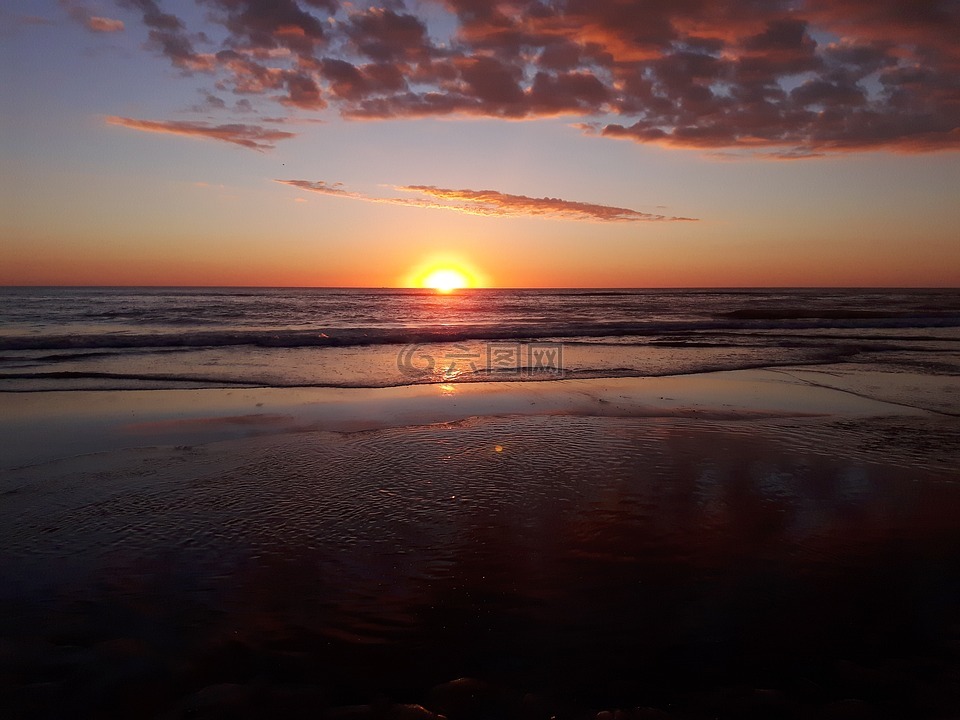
(737,545)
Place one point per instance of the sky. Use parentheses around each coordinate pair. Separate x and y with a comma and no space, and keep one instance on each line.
(531,143)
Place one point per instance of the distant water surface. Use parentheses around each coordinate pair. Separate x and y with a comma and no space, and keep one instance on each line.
(147,338)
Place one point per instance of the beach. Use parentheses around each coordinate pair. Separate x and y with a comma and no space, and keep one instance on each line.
(480,360)
(752,543)
(484,505)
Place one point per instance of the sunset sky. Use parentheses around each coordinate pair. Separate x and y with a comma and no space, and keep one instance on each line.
(559,143)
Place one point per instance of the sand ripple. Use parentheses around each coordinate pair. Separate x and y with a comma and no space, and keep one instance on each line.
(576,554)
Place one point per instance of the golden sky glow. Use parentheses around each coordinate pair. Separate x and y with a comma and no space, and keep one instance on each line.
(347,144)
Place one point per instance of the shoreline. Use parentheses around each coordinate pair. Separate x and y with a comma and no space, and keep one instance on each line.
(50,426)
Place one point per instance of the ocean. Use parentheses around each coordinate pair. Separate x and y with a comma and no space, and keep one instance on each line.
(167,338)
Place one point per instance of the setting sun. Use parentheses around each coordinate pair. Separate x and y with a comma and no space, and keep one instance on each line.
(445,273)
(446,280)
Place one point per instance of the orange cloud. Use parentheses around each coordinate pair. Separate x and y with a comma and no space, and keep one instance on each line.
(248,136)
(491,203)
(80,13)
(104,25)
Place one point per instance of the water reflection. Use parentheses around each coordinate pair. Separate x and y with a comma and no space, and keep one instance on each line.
(599,559)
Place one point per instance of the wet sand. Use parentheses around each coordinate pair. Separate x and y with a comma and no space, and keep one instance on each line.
(730,545)
(45,426)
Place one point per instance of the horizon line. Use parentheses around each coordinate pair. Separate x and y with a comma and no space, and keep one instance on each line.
(494,288)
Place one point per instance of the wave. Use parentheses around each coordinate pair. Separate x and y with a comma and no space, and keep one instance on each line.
(143,377)
(362,336)
(787,313)
(28,382)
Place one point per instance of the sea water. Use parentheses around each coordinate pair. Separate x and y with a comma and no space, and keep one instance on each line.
(156,338)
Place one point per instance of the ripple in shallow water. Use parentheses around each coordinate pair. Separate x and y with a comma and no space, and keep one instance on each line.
(575,552)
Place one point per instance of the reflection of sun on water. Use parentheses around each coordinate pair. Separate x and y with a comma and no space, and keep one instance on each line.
(446,280)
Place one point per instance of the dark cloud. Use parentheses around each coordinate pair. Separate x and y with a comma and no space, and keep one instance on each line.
(495,85)
(211,103)
(785,78)
(828,94)
(169,35)
(254,137)
(490,203)
(267,24)
(302,91)
(384,35)
(349,82)
(569,92)
(924,23)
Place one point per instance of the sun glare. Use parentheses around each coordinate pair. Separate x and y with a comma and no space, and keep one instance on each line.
(446,280)
(444,273)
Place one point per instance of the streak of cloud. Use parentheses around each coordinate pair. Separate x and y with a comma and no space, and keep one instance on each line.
(254,137)
(104,25)
(490,203)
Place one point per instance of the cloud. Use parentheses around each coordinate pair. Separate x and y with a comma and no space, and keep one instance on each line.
(169,35)
(325,188)
(248,136)
(490,203)
(104,25)
(779,78)
(267,24)
(211,103)
(81,13)
(384,35)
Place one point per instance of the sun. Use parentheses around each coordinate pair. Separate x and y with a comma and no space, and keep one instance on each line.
(445,273)
(445,280)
